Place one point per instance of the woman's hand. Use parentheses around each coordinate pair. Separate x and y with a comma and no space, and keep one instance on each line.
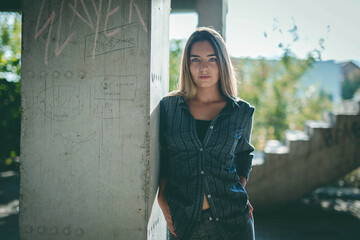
(243,182)
(165,207)
(251,209)
(166,211)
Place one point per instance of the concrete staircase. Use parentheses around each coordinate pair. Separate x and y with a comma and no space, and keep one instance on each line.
(323,152)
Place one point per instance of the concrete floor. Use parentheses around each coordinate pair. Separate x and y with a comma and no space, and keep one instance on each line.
(328,213)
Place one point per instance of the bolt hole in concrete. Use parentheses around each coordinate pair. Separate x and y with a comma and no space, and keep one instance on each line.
(330,212)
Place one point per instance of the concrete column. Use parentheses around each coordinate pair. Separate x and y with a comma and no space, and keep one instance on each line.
(213,13)
(93,73)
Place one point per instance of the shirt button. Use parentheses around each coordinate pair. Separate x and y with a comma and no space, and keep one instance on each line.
(209,196)
(201,149)
(202,172)
(210,218)
(211,127)
(217,219)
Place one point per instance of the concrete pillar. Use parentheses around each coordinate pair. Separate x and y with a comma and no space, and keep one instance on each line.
(213,13)
(93,73)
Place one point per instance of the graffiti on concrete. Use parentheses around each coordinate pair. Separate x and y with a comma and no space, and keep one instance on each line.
(334,136)
(61,103)
(84,14)
(126,37)
(73,142)
(108,90)
(155,77)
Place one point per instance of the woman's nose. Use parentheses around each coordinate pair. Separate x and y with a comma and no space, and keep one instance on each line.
(204,65)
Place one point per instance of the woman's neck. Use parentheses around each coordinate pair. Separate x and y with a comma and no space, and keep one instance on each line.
(206,95)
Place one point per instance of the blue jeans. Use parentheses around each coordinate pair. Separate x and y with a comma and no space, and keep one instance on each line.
(208,229)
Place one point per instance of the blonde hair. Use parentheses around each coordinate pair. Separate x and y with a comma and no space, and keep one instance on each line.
(227,78)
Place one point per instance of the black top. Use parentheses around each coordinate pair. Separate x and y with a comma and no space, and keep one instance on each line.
(201,127)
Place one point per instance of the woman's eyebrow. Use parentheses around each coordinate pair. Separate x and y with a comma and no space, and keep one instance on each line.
(210,55)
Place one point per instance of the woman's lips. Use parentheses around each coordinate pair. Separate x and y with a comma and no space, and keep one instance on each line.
(204,77)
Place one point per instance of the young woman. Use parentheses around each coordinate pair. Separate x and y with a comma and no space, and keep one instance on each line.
(206,154)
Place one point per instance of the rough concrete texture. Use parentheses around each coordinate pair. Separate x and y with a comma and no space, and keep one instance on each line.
(327,150)
(92,75)
(213,13)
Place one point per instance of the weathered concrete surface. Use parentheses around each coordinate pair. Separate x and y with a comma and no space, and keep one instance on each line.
(324,152)
(92,75)
(213,13)
(210,12)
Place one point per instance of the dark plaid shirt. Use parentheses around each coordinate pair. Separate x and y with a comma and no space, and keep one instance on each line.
(212,167)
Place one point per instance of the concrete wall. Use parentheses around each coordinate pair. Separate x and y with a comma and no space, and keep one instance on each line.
(210,12)
(213,13)
(92,75)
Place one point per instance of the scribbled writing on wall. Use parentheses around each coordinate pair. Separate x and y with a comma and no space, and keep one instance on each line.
(155,77)
(61,103)
(334,136)
(91,15)
(108,90)
(126,37)
(72,142)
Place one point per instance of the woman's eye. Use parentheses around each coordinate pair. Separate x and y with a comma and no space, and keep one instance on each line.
(212,60)
(195,60)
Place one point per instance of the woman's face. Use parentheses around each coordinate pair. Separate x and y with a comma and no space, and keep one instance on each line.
(204,68)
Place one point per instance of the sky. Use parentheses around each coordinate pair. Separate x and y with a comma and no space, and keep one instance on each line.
(253,28)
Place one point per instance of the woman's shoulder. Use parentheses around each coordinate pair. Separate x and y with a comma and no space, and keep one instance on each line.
(170,101)
(172,97)
(244,105)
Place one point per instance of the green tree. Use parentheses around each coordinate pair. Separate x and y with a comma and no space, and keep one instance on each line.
(176,49)
(10,106)
(273,88)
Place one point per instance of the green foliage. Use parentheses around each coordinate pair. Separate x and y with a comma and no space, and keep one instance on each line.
(10,104)
(273,88)
(176,49)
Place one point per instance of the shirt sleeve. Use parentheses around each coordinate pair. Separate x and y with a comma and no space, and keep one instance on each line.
(164,159)
(244,158)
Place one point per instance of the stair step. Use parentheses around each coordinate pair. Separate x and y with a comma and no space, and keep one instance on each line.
(275,147)
(350,107)
(329,117)
(296,135)
(297,142)
(311,126)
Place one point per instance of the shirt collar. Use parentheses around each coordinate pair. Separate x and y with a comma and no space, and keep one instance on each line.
(230,106)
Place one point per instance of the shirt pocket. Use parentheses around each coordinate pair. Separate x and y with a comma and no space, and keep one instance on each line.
(235,136)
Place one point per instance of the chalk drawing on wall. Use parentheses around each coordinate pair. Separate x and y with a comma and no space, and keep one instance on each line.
(73,142)
(108,90)
(126,37)
(61,103)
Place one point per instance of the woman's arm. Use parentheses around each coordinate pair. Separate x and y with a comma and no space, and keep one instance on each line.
(244,158)
(164,206)
(245,161)
(243,181)
(164,165)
